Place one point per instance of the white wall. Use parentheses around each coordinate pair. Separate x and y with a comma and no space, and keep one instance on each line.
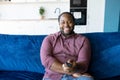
(96,10)
(17,10)
(23,18)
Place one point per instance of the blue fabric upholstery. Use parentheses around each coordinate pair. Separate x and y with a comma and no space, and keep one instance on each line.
(105,54)
(21,53)
(20,75)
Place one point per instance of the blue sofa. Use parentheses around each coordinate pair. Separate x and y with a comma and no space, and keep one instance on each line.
(20,59)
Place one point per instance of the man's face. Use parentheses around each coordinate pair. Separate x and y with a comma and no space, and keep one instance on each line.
(66,24)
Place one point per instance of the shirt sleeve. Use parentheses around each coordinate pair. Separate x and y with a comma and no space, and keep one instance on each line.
(46,53)
(84,53)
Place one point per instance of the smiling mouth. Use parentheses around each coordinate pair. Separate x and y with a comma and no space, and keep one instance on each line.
(66,28)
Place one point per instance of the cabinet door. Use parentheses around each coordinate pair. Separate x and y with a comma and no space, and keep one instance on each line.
(38,27)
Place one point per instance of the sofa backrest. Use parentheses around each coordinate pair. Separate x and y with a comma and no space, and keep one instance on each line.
(21,52)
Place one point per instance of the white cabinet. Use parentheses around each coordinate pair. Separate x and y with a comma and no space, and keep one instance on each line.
(38,27)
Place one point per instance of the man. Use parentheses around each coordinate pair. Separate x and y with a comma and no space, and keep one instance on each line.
(65,54)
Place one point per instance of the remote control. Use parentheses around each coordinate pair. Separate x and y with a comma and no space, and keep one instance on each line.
(68,64)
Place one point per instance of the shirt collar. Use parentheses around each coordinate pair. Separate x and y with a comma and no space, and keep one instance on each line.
(65,37)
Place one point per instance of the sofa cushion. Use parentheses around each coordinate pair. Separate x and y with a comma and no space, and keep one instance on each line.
(21,53)
(105,54)
(108,63)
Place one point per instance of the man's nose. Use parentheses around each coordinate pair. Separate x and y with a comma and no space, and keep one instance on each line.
(66,24)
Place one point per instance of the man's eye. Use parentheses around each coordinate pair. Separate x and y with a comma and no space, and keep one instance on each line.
(62,22)
(70,22)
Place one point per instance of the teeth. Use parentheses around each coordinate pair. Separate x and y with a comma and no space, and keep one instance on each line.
(66,28)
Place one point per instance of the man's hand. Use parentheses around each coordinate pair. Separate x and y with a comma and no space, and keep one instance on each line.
(68,67)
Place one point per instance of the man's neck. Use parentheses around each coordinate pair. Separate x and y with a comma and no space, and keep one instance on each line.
(67,35)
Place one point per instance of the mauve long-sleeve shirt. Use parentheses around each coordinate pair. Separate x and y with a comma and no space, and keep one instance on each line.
(57,46)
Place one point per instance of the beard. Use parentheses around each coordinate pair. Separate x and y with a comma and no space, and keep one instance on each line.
(67,33)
